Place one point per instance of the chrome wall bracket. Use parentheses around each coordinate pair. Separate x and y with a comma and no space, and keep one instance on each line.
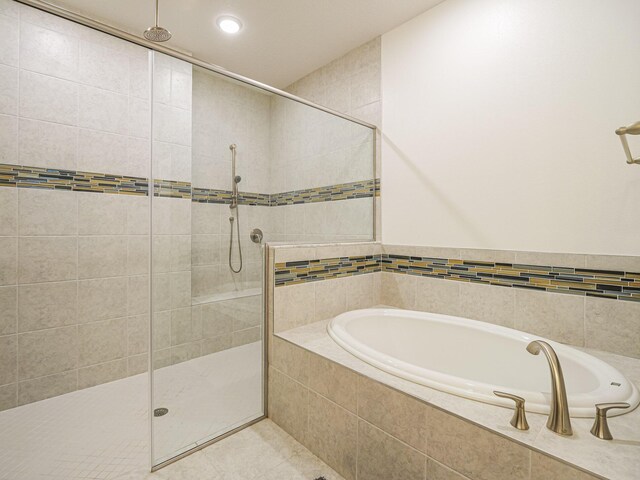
(622,132)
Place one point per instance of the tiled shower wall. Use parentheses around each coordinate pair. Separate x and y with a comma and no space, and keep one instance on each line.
(311,149)
(73,266)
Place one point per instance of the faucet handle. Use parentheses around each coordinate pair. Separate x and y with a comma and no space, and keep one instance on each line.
(519,419)
(600,427)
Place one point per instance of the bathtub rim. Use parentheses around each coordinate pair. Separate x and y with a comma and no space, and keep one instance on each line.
(401,369)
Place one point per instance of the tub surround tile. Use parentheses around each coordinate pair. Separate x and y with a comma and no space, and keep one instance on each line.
(332,381)
(382,457)
(613,326)
(396,413)
(464,421)
(289,405)
(560,317)
(332,435)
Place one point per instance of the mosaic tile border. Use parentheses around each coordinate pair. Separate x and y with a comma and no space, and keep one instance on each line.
(52,178)
(611,284)
(293,273)
(344,191)
(59,179)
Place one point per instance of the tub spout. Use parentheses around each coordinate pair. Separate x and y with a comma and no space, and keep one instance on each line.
(559,420)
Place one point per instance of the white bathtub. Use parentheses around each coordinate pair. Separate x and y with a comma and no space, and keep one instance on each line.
(472,359)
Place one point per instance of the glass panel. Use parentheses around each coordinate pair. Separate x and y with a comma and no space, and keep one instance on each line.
(234,166)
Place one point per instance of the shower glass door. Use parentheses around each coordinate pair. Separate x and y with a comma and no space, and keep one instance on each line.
(234,166)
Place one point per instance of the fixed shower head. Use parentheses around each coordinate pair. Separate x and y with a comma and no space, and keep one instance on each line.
(157,33)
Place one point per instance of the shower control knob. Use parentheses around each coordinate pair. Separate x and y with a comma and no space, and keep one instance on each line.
(256,235)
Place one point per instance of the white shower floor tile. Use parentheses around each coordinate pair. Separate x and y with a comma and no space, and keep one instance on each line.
(102,432)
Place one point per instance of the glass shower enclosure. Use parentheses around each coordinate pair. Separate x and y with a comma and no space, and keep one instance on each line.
(138,189)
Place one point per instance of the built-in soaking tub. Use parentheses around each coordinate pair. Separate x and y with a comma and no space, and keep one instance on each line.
(472,359)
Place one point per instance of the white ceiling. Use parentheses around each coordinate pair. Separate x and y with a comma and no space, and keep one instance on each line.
(282,40)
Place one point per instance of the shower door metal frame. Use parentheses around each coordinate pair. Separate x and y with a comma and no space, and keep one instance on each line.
(266,331)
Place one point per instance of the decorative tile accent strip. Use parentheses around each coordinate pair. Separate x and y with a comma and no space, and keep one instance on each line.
(210,195)
(344,191)
(575,281)
(58,179)
(52,178)
(171,188)
(292,273)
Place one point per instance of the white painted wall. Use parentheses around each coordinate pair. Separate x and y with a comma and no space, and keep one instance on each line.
(498,126)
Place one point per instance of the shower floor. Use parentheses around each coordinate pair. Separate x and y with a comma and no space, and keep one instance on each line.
(102,432)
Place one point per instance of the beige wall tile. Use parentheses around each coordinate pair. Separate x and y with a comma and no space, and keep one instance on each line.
(137,255)
(551,259)
(9,45)
(47,259)
(180,289)
(161,330)
(101,342)
(102,299)
(437,296)
(290,359)
(246,336)
(8,359)
(8,138)
(396,413)
(333,435)
(485,255)
(488,303)
(473,451)
(46,387)
(37,54)
(8,396)
(551,315)
(437,471)
(138,295)
(183,328)
(48,145)
(8,260)
(47,305)
(333,381)
(102,256)
(138,215)
(137,334)
(47,98)
(544,467)
(102,373)
(217,344)
(614,262)
(331,298)
(185,352)
(47,352)
(613,326)
(137,364)
(9,309)
(8,211)
(102,110)
(382,457)
(100,214)
(361,291)
(293,306)
(288,404)
(398,290)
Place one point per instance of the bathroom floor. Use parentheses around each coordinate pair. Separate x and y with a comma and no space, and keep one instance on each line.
(102,432)
(263,451)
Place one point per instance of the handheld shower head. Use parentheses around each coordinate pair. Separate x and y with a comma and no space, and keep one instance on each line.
(237,179)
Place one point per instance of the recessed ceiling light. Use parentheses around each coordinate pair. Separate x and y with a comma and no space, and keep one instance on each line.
(229,24)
